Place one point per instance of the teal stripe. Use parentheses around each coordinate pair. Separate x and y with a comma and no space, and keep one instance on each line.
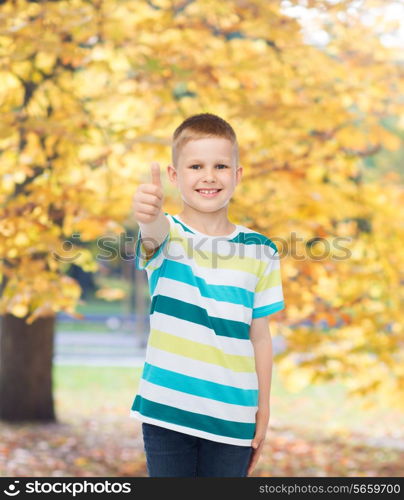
(154,276)
(254,239)
(184,227)
(218,426)
(200,387)
(153,279)
(258,312)
(195,314)
(225,293)
(138,253)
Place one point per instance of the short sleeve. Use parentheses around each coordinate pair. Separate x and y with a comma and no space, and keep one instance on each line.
(155,260)
(268,296)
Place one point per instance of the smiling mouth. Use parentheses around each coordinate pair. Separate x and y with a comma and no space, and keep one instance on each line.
(208,191)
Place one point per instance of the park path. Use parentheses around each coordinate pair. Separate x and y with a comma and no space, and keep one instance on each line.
(98,349)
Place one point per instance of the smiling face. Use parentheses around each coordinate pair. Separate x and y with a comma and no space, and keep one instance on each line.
(206,164)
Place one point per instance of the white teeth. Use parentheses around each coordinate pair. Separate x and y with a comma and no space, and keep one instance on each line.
(208,192)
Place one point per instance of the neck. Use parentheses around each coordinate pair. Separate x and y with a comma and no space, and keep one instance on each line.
(214,223)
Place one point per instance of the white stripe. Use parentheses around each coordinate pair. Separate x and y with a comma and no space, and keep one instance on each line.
(190,430)
(192,295)
(200,369)
(196,404)
(268,296)
(201,334)
(275,263)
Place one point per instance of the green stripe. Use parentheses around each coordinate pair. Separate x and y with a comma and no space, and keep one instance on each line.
(195,314)
(165,413)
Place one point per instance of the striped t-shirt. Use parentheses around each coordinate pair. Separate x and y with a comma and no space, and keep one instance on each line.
(199,375)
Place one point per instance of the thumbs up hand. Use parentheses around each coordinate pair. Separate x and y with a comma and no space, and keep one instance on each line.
(148,199)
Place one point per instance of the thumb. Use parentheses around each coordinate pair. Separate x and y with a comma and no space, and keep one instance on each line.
(254,444)
(155,174)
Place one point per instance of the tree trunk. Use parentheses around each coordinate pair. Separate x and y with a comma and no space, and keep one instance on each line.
(26,356)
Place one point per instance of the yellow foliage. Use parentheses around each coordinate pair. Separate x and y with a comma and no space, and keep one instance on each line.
(20,310)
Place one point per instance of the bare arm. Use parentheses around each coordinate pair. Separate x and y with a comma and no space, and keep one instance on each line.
(262,344)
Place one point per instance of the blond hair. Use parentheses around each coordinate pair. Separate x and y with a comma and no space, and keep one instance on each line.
(200,126)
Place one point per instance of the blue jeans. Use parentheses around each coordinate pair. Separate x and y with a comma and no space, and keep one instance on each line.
(175,454)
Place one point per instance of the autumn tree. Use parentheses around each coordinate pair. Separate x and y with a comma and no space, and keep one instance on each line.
(90,95)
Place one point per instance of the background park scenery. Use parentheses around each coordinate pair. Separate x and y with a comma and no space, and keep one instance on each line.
(90,93)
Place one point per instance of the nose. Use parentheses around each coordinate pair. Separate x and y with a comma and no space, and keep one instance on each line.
(209,175)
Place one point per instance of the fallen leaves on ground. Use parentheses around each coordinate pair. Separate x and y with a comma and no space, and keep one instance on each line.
(112,446)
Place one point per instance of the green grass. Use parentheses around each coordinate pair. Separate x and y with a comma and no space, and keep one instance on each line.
(87,390)
(83,326)
(95,306)
(84,379)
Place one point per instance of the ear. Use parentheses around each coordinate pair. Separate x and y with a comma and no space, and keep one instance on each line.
(239,174)
(171,174)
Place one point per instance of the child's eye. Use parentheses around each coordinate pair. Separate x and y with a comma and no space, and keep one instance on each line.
(218,165)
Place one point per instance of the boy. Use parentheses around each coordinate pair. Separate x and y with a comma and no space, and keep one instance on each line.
(203,397)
